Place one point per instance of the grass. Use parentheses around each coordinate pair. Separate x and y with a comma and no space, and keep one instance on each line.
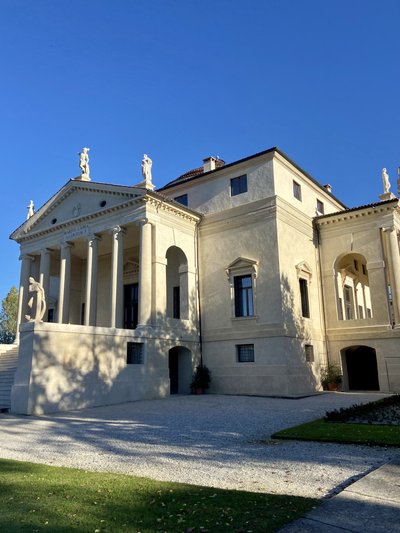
(324,431)
(45,498)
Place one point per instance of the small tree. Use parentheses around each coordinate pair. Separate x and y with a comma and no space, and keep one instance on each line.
(8,317)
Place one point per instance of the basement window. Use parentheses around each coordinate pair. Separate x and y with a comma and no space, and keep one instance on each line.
(134,353)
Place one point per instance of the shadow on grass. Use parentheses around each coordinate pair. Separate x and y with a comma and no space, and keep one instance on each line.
(37,497)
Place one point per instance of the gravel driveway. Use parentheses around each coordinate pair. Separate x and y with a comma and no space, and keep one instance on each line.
(207,440)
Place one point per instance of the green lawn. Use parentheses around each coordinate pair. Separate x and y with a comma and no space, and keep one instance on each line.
(45,498)
(320,430)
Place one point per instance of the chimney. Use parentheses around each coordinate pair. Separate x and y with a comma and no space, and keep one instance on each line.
(328,187)
(211,163)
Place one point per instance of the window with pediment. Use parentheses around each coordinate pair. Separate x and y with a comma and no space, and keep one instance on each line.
(242,274)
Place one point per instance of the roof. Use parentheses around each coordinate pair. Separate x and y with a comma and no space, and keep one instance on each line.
(359,208)
(193,175)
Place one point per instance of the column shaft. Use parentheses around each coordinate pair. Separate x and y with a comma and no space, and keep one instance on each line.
(91,281)
(117,271)
(65,283)
(44,275)
(23,291)
(394,270)
(145,273)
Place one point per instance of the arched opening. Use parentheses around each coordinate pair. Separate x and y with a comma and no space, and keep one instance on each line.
(180,370)
(361,368)
(352,288)
(177,284)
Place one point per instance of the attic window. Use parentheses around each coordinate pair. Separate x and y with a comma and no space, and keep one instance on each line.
(54,221)
(103,203)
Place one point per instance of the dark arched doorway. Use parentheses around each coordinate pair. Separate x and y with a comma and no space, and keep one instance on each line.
(180,370)
(362,369)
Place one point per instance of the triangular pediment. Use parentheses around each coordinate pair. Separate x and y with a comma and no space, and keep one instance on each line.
(78,201)
(242,265)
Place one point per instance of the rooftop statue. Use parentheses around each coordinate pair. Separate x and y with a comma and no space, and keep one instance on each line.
(84,164)
(385,181)
(146,172)
(31,210)
(37,289)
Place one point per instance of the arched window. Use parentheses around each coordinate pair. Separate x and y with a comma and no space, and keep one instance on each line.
(352,288)
(177,284)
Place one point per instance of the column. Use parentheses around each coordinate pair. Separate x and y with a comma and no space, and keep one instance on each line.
(117,271)
(394,269)
(65,283)
(23,290)
(44,275)
(184,291)
(91,281)
(145,271)
(159,289)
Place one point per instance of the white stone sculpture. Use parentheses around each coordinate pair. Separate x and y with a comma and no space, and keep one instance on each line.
(146,172)
(84,164)
(38,294)
(385,181)
(31,210)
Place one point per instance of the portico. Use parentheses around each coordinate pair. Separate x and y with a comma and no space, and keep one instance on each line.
(131,281)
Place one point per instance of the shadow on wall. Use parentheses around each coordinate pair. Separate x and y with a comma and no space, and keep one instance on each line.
(75,366)
(302,361)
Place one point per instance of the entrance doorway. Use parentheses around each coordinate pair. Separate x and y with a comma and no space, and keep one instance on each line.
(180,370)
(131,305)
(362,368)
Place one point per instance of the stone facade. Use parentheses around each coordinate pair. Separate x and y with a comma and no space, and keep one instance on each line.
(252,267)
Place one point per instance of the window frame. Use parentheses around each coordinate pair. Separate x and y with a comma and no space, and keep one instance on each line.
(131,356)
(309,353)
(244,298)
(239,355)
(304,297)
(297,191)
(320,208)
(239,183)
(242,267)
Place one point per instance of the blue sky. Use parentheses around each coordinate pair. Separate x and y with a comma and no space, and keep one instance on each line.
(181,80)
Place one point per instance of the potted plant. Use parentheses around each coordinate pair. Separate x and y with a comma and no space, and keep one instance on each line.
(201,379)
(331,377)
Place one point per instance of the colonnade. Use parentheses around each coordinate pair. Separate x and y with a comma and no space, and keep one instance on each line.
(116,291)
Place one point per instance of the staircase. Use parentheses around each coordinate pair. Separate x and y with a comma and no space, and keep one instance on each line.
(8,366)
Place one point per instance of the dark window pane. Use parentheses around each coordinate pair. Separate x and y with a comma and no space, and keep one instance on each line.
(305,307)
(176,302)
(243,296)
(238,185)
(134,353)
(297,190)
(245,353)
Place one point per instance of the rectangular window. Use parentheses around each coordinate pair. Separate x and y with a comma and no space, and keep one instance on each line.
(134,353)
(297,190)
(50,315)
(320,207)
(243,296)
(309,351)
(176,304)
(245,353)
(360,311)
(369,313)
(305,307)
(183,199)
(239,185)
(348,302)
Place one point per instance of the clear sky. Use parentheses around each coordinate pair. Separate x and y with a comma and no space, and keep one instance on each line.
(185,79)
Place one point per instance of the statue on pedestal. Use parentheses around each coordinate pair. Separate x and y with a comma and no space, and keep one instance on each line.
(40,308)
(146,172)
(385,181)
(84,164)
(31,210)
